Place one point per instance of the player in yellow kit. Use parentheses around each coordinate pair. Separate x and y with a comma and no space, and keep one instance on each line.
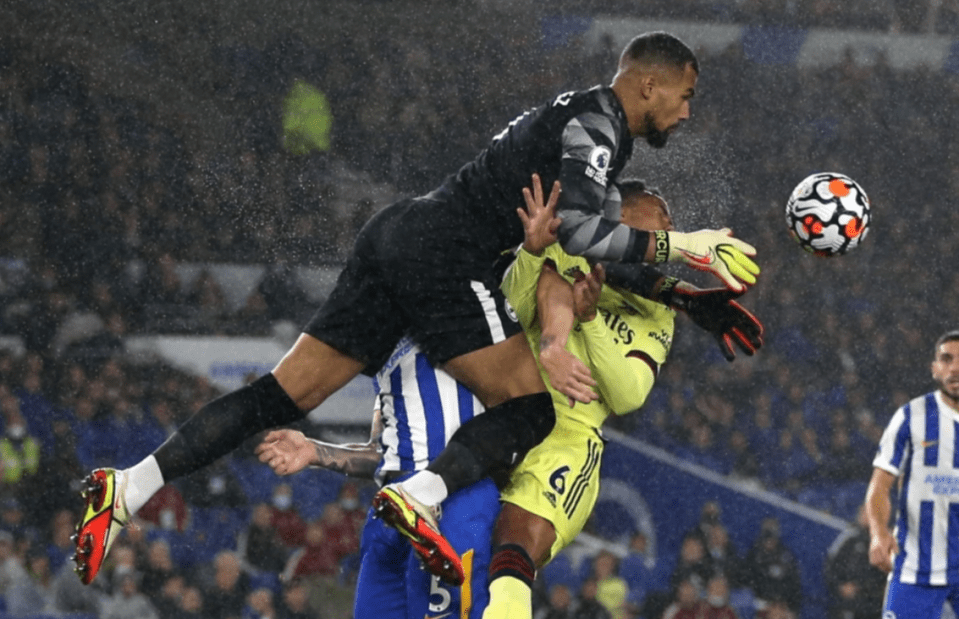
(623,339)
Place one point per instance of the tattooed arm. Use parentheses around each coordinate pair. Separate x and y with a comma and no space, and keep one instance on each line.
(290,451)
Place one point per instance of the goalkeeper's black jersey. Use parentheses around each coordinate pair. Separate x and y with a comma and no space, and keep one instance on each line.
(580,138)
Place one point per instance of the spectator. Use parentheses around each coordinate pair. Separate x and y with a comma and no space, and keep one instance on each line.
(12,570)
(167,598)
(225,596)
(638,569)
(214,486)
(717,599)
(158,571)
(560,605)
(724,556)
(339,530)
(208,301)
(855,587)
(770,570)
(192,604)
(60,472)
(35,594)
(167,509)
(354,510)
(687,603)
(127,601)
(259,605)
(296,601)
(12,519)
(317,557)
(59,546)
(841,462)
(694,564)
(286,517)
(587,606)
(260,545)
(19,451)
(611,589)
(710,515)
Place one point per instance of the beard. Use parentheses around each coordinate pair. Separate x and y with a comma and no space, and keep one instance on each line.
(951,392)
(654,136)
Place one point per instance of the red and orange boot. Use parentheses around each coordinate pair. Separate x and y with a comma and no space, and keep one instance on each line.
(418,522)
(103,519)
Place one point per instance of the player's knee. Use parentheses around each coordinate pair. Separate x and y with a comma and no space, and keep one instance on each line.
(313,370)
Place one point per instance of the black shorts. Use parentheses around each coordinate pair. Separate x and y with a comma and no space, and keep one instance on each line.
(416,268)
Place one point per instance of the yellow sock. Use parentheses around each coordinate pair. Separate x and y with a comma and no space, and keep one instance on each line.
(509,598)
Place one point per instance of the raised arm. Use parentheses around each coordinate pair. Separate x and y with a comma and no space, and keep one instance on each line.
(539,295)
(589,207)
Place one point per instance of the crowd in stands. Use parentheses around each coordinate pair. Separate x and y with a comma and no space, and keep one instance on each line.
(100,200)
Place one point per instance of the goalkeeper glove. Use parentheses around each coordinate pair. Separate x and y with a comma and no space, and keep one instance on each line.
(716,251)
(715,311)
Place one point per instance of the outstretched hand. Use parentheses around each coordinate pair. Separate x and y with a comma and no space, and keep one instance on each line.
(715,311)
(285,451)
(540,222)
(716,251)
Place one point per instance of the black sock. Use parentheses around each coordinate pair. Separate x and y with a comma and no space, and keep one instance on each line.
(222,425)
(512,560)
(494,440)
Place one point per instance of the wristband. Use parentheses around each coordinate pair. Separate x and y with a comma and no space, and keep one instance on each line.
(666,293)
(661,248)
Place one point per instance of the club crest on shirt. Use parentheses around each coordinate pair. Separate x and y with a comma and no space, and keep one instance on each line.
(508,307)
(599,160)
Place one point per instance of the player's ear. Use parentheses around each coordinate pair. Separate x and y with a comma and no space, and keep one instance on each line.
(647,85)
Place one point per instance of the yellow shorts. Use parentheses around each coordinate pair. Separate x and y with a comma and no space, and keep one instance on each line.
(559,479)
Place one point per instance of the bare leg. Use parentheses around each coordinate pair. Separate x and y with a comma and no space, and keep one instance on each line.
(499,372)
(312,371)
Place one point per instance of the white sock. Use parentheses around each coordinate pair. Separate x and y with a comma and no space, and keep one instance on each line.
(143,480)
(426,487)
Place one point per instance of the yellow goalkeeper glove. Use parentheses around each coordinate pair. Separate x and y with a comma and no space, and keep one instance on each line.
(716,251)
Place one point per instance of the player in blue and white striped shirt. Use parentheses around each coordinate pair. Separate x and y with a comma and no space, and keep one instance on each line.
(920,447)
(418,408)
(410,392)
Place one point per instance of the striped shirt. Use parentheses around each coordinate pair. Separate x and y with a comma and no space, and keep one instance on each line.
(421,408)
(921,445)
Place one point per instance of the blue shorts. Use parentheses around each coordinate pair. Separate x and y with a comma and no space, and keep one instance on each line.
(392,583)
(918,601)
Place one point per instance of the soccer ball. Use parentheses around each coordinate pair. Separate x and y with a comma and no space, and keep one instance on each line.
(828,214)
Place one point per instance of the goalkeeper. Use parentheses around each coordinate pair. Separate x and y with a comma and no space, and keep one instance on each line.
(623,339)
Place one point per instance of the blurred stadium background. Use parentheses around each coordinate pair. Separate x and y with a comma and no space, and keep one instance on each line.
(180,182)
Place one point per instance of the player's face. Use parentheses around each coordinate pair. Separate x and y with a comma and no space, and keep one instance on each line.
(669,105)
(945,370)
(646,212)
